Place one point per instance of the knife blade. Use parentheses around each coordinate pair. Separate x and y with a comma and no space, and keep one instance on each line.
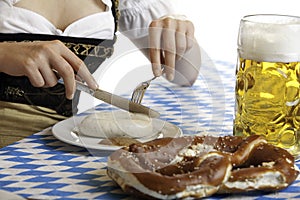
(115,100)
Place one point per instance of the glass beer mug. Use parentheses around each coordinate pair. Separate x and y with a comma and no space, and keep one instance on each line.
(267,80)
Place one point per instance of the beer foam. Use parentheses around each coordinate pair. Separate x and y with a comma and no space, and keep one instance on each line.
(271,38)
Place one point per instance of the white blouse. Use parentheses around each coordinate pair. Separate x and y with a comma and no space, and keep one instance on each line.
(136,16)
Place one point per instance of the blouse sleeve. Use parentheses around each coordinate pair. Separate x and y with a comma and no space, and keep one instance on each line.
(136,15)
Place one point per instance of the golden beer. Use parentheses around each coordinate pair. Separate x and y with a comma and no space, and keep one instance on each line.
(268,102)
(268,80)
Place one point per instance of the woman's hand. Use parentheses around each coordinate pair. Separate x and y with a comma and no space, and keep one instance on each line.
(40,61)
(170,37)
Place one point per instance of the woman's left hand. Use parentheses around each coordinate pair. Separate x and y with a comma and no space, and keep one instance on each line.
(170,37)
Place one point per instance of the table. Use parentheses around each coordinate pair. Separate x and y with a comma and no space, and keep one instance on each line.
(43,167)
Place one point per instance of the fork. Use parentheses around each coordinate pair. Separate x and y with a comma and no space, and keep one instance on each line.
(139,91)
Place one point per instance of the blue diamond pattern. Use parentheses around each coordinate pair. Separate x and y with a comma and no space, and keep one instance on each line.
(51,169)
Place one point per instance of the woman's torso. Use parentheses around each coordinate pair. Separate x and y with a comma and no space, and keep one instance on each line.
(81,18)
(62,13)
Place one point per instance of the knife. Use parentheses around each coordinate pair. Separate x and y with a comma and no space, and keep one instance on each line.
(115,100)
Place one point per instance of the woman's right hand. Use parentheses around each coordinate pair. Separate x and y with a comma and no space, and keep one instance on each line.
(40,60)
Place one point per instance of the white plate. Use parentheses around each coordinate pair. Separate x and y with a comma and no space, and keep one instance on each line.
(64,131)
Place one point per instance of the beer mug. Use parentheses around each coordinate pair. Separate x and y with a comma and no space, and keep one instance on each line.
(267,80)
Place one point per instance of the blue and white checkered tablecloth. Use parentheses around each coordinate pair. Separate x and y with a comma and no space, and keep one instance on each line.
(42,167)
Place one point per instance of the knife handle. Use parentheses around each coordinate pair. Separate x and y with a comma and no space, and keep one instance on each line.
(115,100)
(124,103)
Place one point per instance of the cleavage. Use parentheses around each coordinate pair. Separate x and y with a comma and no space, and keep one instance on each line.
(62,13)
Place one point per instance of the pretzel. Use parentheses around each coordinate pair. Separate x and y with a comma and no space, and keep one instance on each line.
(200,166)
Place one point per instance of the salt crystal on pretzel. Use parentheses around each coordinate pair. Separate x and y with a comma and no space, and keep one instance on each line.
(200,166)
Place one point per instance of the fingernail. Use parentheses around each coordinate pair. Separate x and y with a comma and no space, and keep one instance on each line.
(170,77)
(157,72)
(74,90)
(95,85)
(70,97)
